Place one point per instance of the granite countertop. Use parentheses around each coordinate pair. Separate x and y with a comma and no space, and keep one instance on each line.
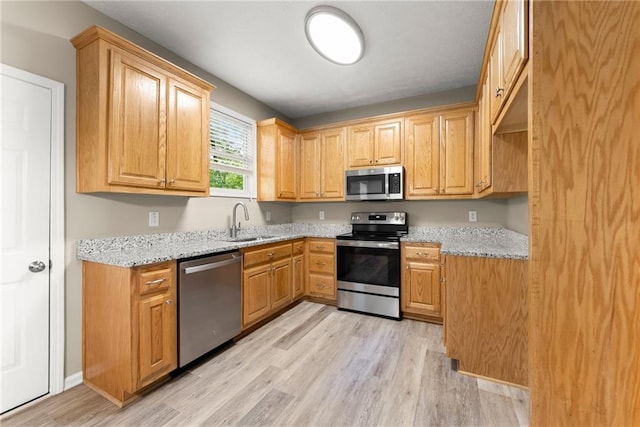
(131,251)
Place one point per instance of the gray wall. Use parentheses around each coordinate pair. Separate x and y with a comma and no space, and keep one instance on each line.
(518,214)
(35,37)
(455,96)
(491,213)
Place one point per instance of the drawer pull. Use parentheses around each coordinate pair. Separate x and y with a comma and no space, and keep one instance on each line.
(320,247)
(422,254)
(169,301)
(155,282)
(270,254)
(320,263)
(321,286)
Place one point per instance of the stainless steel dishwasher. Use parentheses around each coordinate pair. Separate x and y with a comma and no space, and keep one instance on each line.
(208,304)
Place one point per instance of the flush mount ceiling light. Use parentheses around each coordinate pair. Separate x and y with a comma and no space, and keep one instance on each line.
(334,35)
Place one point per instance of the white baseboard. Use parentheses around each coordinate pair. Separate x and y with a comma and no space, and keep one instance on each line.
(73,380)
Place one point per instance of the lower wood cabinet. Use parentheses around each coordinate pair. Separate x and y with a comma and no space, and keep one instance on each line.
(298,266)
(486,317)
(129,327)
(420,292)
(266,281)
(321,266)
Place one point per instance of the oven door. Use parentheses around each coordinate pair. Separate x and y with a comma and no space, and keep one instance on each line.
(371,267)
(366,186)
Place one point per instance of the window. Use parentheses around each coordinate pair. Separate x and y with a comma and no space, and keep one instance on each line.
(232,147)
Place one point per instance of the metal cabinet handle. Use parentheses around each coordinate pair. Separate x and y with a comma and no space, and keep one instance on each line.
(320,263)
(172,181)
(37,266)
(169,301)
(270,254)
(155,282)
(320,247)
(162,181)
(499,91)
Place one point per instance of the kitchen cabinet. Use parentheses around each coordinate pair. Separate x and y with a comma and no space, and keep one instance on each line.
(508,54)
(322,165)
(375,144)
(129,327)
(485,135)
(266,281)
(440,154)
(486,316)
(278,152)
(298,269)
(142,124)
(421,282)
(321,266)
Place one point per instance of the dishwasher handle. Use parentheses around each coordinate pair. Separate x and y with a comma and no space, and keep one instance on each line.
(211,265)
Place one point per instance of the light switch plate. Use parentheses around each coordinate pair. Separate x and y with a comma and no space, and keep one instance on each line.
(322,215)
(473,216)
(154,219)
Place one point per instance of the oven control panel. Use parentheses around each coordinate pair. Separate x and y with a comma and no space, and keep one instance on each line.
(395,218)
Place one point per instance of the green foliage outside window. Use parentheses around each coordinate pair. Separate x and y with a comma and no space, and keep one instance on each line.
(220,179)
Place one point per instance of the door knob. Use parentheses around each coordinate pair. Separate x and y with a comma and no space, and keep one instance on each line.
(37,266)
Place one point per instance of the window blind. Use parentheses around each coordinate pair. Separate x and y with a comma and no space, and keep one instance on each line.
(231,143)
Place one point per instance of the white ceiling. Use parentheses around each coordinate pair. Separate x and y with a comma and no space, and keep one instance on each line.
(411,47)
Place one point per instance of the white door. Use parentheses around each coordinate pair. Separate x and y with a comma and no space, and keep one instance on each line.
(25,123)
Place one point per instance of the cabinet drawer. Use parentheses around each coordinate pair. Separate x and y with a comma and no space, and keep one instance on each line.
(322,285)
(321,263)
(265,255)
(155,278)
(422,253)
(298,248)
(318,245)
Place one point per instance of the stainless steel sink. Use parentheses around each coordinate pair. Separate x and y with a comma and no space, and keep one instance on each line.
(249,239)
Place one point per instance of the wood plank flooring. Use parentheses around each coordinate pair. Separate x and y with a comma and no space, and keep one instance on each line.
(312,366)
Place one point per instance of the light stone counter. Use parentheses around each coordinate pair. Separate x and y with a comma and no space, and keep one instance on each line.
(473,241)
(131,251)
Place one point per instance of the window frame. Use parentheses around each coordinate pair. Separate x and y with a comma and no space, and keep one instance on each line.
(251,180)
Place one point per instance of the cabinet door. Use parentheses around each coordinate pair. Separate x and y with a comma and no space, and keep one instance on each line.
(360,146)
(514,46)
(421,293)
(286,169)
(158,337)
(309,164)
(298,276)
(137,122)
(388,139)
(456,160)
(483,153)
(280,284)
(496,86)
(255,294)
(332,165)
(423,155)
(187,136)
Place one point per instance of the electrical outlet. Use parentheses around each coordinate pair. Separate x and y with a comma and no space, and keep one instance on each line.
(322,215)
(473,216)
(268,215)
(154,219)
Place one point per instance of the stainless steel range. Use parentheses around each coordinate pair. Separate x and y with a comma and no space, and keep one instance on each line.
(368,263)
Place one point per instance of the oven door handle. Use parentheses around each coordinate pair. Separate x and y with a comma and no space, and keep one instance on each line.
(368,244)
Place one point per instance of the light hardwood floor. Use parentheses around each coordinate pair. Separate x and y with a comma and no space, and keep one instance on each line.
(314,366)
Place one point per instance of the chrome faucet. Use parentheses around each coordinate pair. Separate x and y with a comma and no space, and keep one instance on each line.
(234,229)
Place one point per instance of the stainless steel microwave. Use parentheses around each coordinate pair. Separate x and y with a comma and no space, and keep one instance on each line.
(375,184)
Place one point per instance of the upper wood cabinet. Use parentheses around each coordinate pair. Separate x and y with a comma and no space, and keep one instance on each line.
(142,124)
(509,53)
(439,154)
(375,144)
(277,161)
(322,165)
(483,140)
